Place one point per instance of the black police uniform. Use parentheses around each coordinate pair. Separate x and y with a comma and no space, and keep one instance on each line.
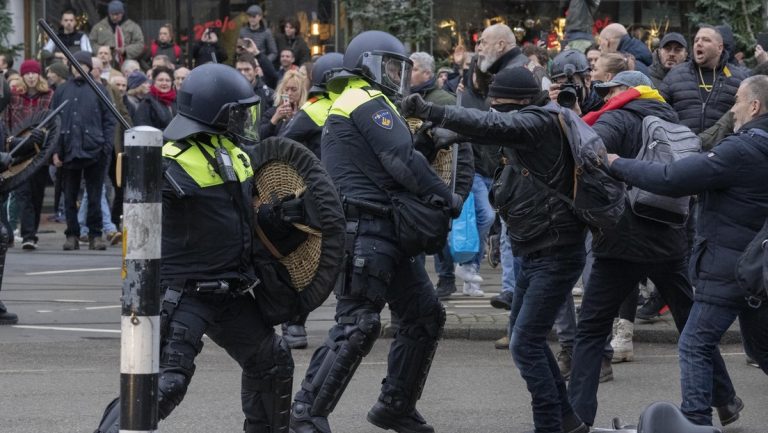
(206,273)
(367,146)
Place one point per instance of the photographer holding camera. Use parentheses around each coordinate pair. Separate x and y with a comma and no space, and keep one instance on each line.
(572,84)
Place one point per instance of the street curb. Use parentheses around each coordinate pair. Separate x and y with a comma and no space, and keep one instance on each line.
(489,332)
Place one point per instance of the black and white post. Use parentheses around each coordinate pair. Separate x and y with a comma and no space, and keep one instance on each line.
(140,322)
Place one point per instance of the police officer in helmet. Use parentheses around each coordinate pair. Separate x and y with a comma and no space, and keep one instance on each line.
(368,151)
(572,83)
(206,270)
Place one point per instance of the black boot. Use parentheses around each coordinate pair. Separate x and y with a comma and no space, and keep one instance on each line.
(729,413)
(406,421)
(303,422)
(7,318)
(445,288)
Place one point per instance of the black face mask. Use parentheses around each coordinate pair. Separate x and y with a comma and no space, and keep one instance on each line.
(506,108)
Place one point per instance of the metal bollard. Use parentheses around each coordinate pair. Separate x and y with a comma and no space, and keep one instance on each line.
(141,300)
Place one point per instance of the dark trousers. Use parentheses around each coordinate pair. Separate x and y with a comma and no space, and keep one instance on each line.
(542,285)
(411,296)
(30,196)
(699,355)
(610,283)
(94,184)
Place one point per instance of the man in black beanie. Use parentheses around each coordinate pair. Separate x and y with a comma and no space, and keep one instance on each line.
(544,231)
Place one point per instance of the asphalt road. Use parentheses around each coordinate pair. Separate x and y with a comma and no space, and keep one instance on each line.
(60,366)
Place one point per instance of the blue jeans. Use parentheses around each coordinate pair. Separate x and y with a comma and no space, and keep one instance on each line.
(545,279)
(699,354)
(510,265)
(106,216)
(483,212)
(612,280)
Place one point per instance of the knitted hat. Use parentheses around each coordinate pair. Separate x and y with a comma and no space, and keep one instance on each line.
(84,58)
(116,7)
(136,79)
(59,68)
(30,65)
(515,83)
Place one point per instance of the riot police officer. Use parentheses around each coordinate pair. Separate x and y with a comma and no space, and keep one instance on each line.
(368,151)
(206,268)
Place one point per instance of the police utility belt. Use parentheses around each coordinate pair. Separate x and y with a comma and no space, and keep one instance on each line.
(233,286)
(355,209)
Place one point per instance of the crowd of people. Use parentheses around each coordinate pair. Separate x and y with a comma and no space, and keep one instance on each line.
(637,269)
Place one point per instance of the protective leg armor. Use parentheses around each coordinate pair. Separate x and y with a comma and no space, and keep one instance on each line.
(267,393)
(410,359)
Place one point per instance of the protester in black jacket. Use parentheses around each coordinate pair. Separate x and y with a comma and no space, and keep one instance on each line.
(545,232)
(208,49)
(290,38)
(733,194)
(158,108)
(85,145)
(633,250)
(703,89)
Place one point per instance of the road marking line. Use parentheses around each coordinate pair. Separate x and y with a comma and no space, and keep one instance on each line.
(60,328)
(74,301)
(103,307)
(72,271)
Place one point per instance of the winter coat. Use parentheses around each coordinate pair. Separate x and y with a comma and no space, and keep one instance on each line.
(173,51)
(733,205)
(636,239)
(532,137)
(152,112)
(264,40)
(681,90)
(298,45)
(103,34)
(636,47)
(25,105)
(87,125)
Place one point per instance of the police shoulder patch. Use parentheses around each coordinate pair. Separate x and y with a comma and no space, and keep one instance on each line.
(383,118)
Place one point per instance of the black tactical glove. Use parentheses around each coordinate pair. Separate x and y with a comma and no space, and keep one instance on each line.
(457,203)
(299,210)
(275,220)
(444,138)
(415,106)
(35,138)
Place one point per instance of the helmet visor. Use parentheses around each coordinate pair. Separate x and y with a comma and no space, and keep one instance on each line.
(390,71)
(243,121)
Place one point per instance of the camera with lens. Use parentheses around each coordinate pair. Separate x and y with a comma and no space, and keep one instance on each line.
(570,91)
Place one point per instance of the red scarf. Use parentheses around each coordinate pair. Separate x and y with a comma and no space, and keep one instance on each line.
(119,44)
(614,103)
(166,98)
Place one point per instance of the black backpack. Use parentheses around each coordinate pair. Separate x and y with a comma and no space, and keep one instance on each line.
(664,142)
(598,199)
(752,268)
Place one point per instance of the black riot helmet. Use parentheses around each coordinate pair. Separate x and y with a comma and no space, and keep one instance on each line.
(323,69)
(575,59)
(216,99)
(381,59)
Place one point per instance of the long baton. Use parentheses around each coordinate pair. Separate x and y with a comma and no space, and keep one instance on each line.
(74,63)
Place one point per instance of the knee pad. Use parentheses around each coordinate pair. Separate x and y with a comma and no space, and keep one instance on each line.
(362,331)
(173,388)
(180,348)
(426,328)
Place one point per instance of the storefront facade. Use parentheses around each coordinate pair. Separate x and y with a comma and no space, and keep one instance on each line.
(455,21)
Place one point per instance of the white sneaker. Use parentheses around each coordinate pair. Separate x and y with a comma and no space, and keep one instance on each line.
(468,273)
(472,289)
(623,350)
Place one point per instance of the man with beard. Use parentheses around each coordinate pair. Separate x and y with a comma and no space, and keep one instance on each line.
(672,51)
(704,88)
(497,49)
